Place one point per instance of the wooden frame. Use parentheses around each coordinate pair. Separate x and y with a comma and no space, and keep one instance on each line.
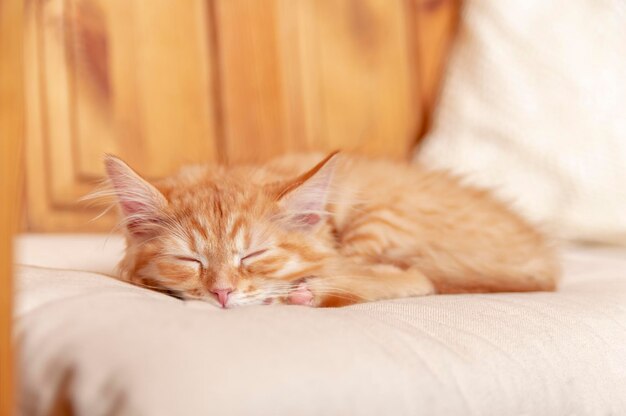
(12,131)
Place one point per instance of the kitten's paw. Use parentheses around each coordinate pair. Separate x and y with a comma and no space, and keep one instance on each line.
(301,295)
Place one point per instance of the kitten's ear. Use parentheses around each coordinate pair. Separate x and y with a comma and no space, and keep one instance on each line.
(141,203)
(304,199)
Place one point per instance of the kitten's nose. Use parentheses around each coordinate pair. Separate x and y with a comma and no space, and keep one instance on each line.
(222,295)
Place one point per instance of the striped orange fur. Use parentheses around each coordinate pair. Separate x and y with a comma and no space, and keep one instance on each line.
(344,230)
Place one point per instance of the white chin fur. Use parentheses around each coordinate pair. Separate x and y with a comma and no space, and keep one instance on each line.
(241,299)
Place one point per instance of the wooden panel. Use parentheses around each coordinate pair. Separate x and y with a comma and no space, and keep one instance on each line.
(11,128)
(159,88)
(231,80)
(365,76)
(435,23)
(301,74)
(112,77)
(43,212)
(250,78)
(56,100)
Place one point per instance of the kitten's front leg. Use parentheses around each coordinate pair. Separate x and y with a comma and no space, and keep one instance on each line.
(358,283)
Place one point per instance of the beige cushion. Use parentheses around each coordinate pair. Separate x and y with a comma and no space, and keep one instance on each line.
(534,106)
(101,345)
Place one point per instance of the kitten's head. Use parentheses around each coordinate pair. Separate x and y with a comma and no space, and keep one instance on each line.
(226,236)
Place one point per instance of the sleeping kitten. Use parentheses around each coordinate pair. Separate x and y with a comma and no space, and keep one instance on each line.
(334,232)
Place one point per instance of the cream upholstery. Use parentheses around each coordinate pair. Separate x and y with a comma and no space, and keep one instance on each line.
(102,346)
(534,106)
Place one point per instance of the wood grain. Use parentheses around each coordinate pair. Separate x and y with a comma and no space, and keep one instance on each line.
(249,79)
(112,77)
(300,75)
(56,101)
(11,128)
(227,80)
(42,213)
(363,76)
(435,23)
(170,73)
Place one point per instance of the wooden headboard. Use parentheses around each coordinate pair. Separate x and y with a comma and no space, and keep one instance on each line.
(225,80)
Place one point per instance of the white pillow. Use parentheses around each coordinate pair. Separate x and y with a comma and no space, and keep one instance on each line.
(534,106)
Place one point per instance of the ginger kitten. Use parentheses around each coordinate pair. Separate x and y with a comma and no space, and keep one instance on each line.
(334,232)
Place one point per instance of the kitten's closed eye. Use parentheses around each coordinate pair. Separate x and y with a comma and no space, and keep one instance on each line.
(189,260)
(252,255)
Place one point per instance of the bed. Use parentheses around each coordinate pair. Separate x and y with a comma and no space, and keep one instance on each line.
(92,345)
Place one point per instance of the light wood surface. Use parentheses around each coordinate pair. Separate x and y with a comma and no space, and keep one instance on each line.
(111,77)
(324,74)
(11,131)
(218,80)
(434,29)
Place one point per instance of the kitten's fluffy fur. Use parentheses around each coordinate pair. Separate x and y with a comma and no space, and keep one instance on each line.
(344,230)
